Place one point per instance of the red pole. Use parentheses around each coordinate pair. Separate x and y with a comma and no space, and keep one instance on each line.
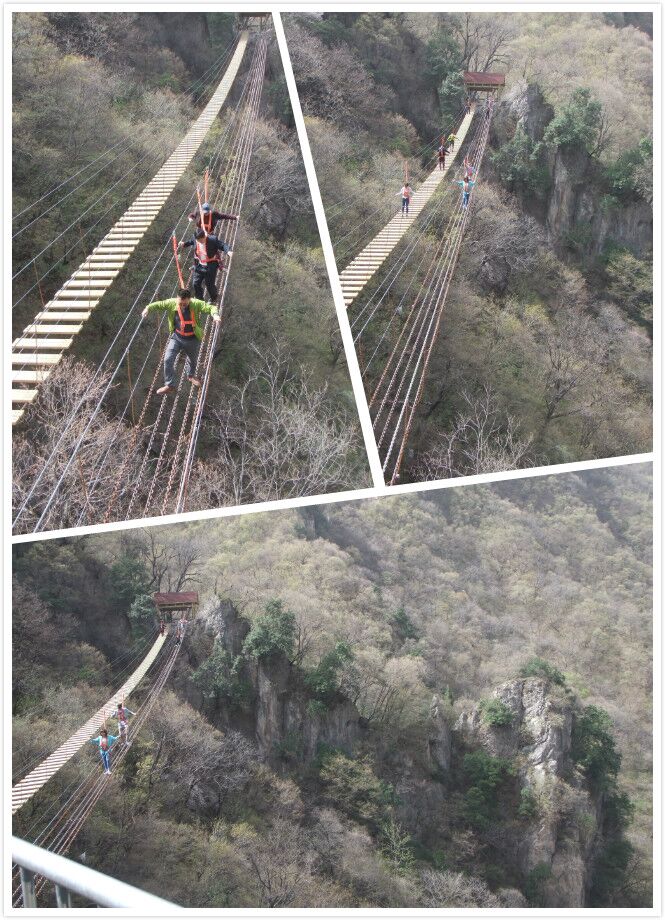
(177,260)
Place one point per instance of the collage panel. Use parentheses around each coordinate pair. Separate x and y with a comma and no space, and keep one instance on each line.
(334,426)
(440,699)
(155,154)
(487,183)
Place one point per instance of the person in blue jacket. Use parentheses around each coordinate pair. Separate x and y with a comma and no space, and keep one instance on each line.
(466,185)
(105,742)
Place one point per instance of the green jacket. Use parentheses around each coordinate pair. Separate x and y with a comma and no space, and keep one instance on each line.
(198,306)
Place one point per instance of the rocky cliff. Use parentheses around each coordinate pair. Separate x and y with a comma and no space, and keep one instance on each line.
(575,204)
(548,828)
(285,728)
(564,836)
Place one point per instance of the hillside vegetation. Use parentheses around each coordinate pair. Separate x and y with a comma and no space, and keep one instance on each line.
(545,350)
(433,700)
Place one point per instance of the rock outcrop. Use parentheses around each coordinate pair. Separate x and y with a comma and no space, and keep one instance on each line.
(564,835)
(575,207)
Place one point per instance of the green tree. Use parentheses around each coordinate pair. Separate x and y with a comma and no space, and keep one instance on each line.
(495,712)
(397,846)
(593,747)
(129,578)
(520,165)
(271,633)
(142,615)
(578,124)
(485,774)
(323,680)
(538,667)
(218,676)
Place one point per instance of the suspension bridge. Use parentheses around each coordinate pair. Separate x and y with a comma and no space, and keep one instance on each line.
(159,435)
(42,344)
(73,808)
(396,341)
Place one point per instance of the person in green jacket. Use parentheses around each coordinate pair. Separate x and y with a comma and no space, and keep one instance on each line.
(186,334)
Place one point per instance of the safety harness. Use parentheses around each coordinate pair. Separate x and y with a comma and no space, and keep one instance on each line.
(187,326)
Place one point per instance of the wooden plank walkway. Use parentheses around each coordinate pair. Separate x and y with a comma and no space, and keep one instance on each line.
(40,346)
(356,275)
(33,782)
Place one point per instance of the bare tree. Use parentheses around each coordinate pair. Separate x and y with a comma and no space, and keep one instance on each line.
(277,437)
(482,440)
(280,862)
(484,39)
(174,560)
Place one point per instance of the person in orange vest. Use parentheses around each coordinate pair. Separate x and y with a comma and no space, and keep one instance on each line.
(186,333)
(406,197)
(207,259)
(162,627)
(442,151)
(210,218)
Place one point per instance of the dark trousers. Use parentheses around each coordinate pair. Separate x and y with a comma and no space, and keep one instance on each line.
(206,274)
(190,346)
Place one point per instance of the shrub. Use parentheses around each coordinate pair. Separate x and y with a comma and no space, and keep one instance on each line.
(323,680)
(142,615)
(396,846)
(403,625)
(495,712)
(538,667)
(593,747)
(485,774)
(533,887)
(520,165)
(218,677)
(272,633)
(352,786)
(129,579)
(630,173)
(578,123)
(630,283)
(610,871)
(528,806)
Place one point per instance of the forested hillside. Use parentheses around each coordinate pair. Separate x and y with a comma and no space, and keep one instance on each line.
(429,700)
(123,88)
(544,354)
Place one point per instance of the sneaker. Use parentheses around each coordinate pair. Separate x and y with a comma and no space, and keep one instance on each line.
(164,391)
(108,772)
(195,381)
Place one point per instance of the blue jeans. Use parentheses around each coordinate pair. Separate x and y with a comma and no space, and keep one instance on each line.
(190,346)
(405,205)
(465,199)
(106,759)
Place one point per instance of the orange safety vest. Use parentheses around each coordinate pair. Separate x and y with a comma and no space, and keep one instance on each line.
(207,222)
(202,252)
(186,322)
(104,743)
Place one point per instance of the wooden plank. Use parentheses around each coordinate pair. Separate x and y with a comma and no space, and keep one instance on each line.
(23,396)
(26,357)
(49,344)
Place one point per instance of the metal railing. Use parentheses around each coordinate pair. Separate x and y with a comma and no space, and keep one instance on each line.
(71,878)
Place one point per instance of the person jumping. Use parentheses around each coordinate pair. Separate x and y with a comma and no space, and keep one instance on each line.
(406,198)
(186,334)
(105,743)
(210,218)
(121,715)
(207,260)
